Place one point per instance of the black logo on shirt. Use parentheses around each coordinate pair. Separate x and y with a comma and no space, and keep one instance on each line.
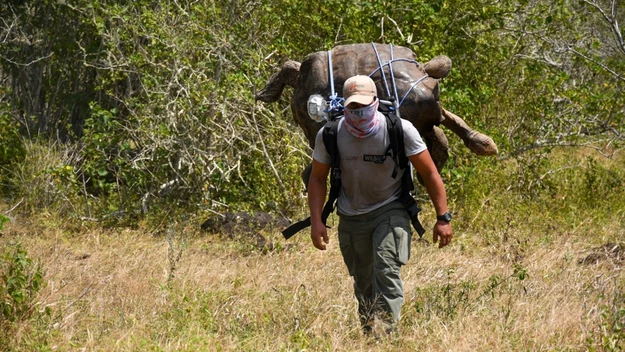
(376,159)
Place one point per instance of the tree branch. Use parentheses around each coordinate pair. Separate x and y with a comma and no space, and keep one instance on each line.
(26,64)
(569,48)
(611,19)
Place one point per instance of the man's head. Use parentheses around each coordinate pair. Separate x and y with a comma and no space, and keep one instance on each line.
(359,90)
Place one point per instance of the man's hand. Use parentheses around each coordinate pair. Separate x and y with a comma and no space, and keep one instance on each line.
(319,235)
(443,231)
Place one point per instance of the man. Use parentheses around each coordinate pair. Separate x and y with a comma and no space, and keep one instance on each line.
(374,227)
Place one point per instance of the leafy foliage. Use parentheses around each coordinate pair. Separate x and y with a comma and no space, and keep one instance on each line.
(11,148)
(21,281)
(3,220)
(155,100)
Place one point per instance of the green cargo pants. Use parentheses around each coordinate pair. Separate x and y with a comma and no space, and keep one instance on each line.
(374,247)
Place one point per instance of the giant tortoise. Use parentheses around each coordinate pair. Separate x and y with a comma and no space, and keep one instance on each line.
(392,68)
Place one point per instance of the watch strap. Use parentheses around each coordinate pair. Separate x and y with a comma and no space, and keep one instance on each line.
(446,217)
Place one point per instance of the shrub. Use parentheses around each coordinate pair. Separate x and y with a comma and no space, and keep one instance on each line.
(20,282)
(21,279)
(45,178)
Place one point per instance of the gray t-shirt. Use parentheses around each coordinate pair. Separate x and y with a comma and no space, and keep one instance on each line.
(366,172)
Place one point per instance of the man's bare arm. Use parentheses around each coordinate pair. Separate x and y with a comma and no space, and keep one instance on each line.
(433,183)
(317,189)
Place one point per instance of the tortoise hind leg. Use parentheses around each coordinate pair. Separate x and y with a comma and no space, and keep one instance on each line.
(438,146)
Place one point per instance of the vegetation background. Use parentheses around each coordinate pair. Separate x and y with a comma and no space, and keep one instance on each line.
(124,125)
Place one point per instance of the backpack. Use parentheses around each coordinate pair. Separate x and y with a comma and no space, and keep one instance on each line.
(395,150)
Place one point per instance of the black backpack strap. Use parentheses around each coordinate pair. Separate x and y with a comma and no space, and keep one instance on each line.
(330,140)
(397,151)
(330,131)
(396,136)
(295,228)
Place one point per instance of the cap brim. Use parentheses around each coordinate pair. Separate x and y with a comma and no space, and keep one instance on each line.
(360,99)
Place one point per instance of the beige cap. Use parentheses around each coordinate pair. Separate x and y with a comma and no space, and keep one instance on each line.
(359,89)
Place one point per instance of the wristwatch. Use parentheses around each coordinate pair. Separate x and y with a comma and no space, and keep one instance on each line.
(445,217)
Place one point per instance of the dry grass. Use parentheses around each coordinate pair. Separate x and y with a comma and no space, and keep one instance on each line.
(110,290)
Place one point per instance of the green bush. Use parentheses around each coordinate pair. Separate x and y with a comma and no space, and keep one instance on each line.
(11,148)
(3,220)
(20,282)
(21,279)
(45,179)
(609,334)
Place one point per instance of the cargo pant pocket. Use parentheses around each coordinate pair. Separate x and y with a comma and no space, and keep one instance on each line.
(403,237)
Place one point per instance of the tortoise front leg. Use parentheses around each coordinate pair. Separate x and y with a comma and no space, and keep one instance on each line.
(479,143)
